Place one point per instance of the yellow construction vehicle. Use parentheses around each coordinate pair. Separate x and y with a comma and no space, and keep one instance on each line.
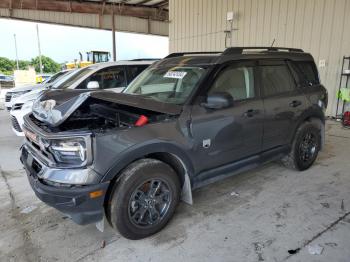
(92,57)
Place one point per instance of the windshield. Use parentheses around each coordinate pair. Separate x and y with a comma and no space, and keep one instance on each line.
(68,80)
(169,85)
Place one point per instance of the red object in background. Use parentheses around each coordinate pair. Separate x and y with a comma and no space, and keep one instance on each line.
(346,119)
(141,121)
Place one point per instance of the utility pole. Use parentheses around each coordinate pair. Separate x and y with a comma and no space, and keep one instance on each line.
(14,36)
(40,62)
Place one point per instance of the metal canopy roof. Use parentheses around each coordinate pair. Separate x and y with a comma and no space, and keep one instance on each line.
(148,3)
(151,9)
(140,16)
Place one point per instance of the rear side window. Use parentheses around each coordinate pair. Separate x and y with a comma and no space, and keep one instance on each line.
(307,73)
(276,79)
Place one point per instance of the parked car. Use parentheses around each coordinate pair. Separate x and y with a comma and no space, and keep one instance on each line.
(16,92)
(186,121)
(6,81)
(6,78)
(113,76)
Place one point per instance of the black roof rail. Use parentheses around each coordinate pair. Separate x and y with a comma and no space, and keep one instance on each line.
(239,50)
(192,53)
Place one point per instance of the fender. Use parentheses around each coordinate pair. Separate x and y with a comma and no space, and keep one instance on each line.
(315,113)
(134,153)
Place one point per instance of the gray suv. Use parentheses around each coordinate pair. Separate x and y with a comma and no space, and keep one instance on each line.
(186,121)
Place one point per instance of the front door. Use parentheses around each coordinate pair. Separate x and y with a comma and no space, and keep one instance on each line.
(222,136)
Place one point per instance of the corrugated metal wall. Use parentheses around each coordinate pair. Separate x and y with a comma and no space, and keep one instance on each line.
(321,27)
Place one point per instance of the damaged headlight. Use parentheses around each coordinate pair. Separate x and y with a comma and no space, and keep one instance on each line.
(70,151)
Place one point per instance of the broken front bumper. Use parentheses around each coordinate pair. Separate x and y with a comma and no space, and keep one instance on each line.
(81,203)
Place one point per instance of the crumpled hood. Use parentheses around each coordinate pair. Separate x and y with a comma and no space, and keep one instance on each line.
(55,106)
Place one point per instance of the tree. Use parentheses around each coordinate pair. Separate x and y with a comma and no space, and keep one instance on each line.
(23,64)
(6,65)
(49,66)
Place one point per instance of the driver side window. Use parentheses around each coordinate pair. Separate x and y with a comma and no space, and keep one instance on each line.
(236,81)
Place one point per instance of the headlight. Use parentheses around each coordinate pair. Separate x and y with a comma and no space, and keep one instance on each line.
(28,105)
(72,152)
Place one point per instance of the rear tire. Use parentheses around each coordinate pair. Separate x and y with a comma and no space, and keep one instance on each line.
(144,199)
(305,147)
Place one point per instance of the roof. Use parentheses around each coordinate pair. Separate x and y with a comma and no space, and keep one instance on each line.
(142,3)
(148,9)
(234,53)
(122,62)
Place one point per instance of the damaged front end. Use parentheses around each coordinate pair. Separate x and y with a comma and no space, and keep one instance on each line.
(98,111)
(60,138)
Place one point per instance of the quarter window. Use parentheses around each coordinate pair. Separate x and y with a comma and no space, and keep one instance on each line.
(276,79)
(308,73)
(236,81)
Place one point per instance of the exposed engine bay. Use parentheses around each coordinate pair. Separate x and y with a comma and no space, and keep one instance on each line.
(99,115)
(59,111)
(104,115)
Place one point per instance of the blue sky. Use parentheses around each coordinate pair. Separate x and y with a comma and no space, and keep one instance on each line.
(63,43)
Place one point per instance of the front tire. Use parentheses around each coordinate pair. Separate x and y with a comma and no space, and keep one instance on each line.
(144,199)
(305,147)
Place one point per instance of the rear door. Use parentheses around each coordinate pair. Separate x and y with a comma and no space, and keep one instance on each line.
(226,135)
(283,102)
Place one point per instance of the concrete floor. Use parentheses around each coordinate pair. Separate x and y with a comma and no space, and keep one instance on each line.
(276,210)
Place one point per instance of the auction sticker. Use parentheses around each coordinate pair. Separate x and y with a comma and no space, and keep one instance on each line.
(175,74)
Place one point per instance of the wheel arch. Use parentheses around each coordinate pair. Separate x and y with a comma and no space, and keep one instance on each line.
(170,154)
(315,117)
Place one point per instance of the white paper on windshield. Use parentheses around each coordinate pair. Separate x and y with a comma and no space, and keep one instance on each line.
(175,74)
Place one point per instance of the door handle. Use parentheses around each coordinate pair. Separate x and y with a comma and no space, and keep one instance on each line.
(295,103)
(251,113)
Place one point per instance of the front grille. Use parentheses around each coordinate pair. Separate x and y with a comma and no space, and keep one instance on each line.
(17,106)
(15,124)
(35,166)
(8,97)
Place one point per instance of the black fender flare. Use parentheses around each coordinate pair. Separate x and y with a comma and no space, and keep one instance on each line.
(135,153)
(316,116)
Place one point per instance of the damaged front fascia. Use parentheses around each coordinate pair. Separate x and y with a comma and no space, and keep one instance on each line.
(54,108)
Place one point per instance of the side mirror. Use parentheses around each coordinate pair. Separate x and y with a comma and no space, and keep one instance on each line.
(218,101)
(93,85)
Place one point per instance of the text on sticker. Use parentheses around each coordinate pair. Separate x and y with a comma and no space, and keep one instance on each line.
(175,74)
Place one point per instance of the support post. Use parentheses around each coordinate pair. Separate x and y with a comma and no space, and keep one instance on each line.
(16,51)
(40,62)
(113,36)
